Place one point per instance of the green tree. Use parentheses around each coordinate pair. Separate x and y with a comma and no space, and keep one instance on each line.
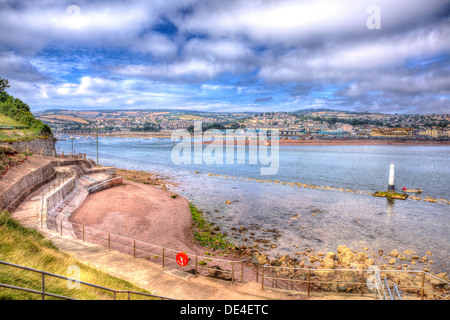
(4,83)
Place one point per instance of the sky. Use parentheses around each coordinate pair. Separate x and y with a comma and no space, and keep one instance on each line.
(389,56)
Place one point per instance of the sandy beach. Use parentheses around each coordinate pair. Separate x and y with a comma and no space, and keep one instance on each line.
(142,212)
(287,142)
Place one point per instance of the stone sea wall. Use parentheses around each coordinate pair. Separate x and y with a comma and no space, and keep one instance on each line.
(47,146)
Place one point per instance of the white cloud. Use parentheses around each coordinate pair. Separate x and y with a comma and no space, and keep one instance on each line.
(256,48)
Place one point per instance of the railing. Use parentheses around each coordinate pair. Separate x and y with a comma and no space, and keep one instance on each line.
(69,155)
(358,281)
(44,293)
(231,270)
(378,285)
(394,291)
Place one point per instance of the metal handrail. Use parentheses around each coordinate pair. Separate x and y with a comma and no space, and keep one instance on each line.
(44,293)
(388,289)
(397,292)
(379,285)
(380,292)
(394,292)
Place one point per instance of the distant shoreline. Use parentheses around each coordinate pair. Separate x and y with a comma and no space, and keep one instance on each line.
(288,142)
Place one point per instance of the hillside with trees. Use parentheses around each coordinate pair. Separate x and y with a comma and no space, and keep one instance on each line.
(16,120)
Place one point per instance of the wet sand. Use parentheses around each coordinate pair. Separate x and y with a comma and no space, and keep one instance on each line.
(141,212)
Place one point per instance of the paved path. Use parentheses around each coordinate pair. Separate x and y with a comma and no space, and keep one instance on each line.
(168,282)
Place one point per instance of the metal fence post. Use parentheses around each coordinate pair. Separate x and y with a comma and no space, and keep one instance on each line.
(262,278)
(163,257)
(232,271)
(196,266)
(43,286)
(362,282)
(423,285)
(309,280)
(257,273)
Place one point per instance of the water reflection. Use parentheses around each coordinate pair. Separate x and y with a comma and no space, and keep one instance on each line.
(390,210)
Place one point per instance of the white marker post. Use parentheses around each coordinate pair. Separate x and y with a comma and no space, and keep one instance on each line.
(391,188)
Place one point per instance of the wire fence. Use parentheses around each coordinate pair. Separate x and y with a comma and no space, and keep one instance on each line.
(362,282)
(412,283)
(44,291)
(231,270)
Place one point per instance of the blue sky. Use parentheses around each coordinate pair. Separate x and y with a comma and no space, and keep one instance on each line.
(230,55)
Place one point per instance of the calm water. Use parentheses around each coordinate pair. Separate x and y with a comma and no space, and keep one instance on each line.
(296,218)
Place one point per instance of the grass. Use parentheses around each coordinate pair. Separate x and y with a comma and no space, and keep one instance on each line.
(384,194)
(7,121)
(204,234)
(27,247)
(13,135)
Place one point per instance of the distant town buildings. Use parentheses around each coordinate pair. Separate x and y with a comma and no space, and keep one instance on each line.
(298,125)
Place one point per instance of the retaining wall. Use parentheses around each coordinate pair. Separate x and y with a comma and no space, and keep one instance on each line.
(106,184)
(21,181)
(34,146)
(58,196)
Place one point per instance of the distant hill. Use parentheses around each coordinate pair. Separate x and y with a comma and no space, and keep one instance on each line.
(309,110)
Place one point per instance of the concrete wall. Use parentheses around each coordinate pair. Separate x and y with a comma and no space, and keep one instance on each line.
(20,182)
(58,196)
(106,184)
(34,146)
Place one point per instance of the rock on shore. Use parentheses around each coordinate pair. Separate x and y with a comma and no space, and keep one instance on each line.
(325,268)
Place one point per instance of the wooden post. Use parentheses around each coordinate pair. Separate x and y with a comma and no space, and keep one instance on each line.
(423,285)
(134,248)
(309,280)
(83,233)
(232,271)
(196,266)
(362,282)
(163,257)
(262,278)
(109,240)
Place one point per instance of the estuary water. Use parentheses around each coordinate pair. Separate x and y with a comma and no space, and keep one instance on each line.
(279,212)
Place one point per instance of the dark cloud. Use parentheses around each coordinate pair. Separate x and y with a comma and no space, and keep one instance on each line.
(267,99)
